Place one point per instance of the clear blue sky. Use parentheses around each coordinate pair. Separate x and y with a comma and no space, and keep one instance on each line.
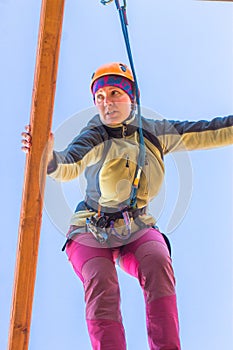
(183,52)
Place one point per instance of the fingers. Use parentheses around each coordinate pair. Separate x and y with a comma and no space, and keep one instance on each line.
(26,136)
(28,128)
(26,139)
(25,149)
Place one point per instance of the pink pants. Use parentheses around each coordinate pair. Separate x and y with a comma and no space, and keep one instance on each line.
(146,258)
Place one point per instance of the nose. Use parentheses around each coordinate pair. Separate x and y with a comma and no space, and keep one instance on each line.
(107,100)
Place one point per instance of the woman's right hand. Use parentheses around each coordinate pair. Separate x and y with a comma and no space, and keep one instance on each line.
(27,142)
(26,139)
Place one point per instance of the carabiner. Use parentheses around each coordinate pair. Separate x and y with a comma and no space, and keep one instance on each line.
(106,2)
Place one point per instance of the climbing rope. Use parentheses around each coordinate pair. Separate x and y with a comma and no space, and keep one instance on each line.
(141,157)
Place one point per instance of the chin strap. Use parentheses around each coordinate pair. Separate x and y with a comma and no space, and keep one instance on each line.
(132,201)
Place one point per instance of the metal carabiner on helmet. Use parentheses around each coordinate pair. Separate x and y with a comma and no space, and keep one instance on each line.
(106,2)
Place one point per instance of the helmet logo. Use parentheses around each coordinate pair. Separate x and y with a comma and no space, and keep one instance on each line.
(123,67)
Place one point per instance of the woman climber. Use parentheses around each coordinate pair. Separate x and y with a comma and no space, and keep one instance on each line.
(107,227)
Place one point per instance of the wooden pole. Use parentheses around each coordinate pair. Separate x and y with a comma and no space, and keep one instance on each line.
(35,172)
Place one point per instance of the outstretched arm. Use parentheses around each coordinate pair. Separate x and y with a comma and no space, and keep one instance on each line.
(203,134)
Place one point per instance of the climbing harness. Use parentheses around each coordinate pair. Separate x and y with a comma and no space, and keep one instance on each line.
(132,201)
(98,226)
(101,224)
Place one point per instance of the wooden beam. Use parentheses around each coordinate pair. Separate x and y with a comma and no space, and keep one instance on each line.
(35,172)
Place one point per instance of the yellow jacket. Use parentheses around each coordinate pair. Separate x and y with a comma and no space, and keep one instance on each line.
(108,155)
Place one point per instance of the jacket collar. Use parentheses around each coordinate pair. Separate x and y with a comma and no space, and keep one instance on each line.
(127,128)
(117,131)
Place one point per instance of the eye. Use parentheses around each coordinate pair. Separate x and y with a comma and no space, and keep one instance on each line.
(99,98)
(115,93)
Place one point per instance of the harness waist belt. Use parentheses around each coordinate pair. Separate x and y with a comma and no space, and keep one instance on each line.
(111,212)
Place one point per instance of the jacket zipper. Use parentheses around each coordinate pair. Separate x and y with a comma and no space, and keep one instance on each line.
(124,131)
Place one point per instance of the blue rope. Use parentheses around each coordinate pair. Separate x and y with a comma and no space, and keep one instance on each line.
(132,202)
(141,156)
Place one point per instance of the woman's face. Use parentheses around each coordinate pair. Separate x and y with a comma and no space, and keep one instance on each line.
(113,104)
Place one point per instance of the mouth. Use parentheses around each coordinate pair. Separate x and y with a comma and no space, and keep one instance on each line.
(110,113)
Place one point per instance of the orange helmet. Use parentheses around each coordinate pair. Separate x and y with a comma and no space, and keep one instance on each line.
(114,68)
